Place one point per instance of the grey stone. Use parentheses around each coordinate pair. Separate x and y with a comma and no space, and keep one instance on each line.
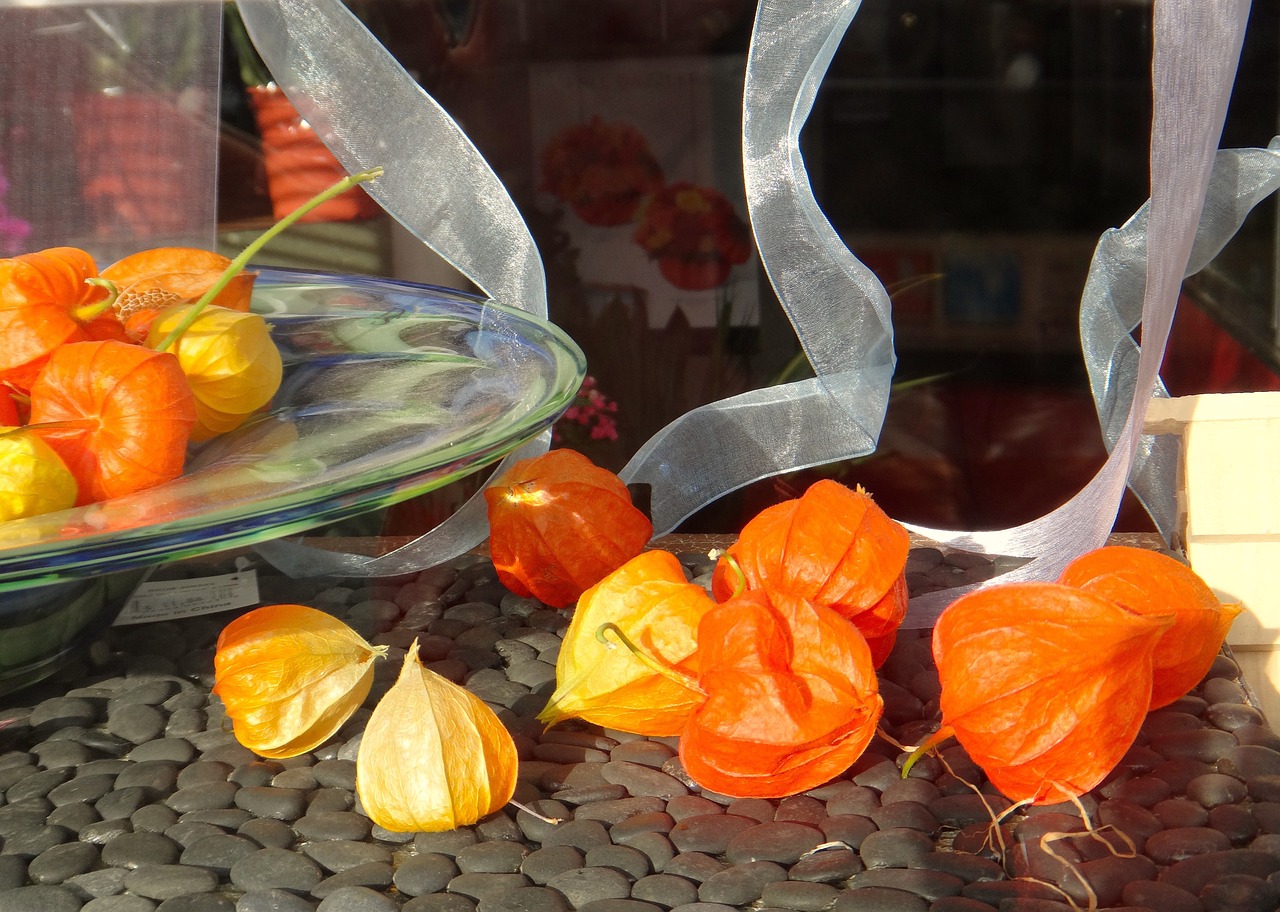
(40,898)
(165,881)
(218,852)
(273,901)
(276,868)
(425,873)
(62,862)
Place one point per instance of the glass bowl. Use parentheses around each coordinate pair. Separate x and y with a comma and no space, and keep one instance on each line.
(390,390)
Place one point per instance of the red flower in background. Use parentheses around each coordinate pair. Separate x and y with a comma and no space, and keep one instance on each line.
(603,171)
(695,235)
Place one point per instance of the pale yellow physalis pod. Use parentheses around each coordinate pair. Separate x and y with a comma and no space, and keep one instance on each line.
(229,357)
(33,478)
(289,676)
(434,756)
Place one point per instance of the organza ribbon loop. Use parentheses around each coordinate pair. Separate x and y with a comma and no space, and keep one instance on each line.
(370,112)
(838,308)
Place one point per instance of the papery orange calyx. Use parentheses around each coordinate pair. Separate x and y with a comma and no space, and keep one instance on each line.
(1149,582)
(290,676)
(644,683)
(1044,685)
(162,276)
(833,546)
(119,416)
(558,524)
(791,697)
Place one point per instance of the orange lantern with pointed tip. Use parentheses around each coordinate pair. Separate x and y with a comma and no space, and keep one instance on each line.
(1044,685)
(791,697)
(1149,582)
(833,546)
(119,415)
(558,524)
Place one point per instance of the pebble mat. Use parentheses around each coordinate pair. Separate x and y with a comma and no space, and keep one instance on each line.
(124,791)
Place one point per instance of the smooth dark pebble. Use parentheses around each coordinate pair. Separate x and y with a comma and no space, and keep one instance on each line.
(124,802)
(1235,822)
(267,833)
(445,842)
(211,795)
(357,899)
(799,895)
(29,843)
(695,866)
(62,862)
(218,852)
(742,884)
(1247,761)
(905,814)
(1129,818)
(1162,896)
(273,900)
(1180,812)
(40,898)
(831,865)
(641,780)
(491,858)
(164,881)
(1231,716)
(684,806)
(923,882)
(520,899)
(198,902)
(425,873)
(879,899)
(136,722)
(969,868)
(583,885)
(896,848)
(541,865)
(1142,790)
(1106,878)
(710,833)
(616,811)
(1207,744)
(782,842)
(269,801)
(336,855)
(375,875)
(480,886)
(665,890)
(280,868)
(655,846)
(1193,873)
(1240,893)
(160,776)
(133,850)
(1174,845)
(1213,789)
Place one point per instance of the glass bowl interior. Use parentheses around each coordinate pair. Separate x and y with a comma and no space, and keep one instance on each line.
(390,389)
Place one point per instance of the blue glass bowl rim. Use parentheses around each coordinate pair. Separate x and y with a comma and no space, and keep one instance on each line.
(54,562)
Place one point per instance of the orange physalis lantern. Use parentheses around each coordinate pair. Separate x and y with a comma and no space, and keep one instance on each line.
(791,697)
(154,279)
(1044,685)
(45,302)
(601,679)
(558,524)
(1149,582)
(832,546)
(289,676)
(433,756)
(119,415)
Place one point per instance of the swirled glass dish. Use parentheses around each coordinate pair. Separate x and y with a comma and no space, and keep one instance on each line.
(390,390)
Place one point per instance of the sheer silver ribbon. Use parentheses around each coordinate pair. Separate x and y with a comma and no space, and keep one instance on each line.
(370,112)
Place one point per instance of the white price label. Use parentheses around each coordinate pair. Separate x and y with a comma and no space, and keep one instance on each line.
(169,600)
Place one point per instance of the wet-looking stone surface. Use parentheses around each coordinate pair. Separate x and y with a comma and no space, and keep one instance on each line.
(125,791)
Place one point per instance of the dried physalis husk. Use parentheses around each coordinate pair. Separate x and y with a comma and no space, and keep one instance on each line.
(433,756)
(289,676)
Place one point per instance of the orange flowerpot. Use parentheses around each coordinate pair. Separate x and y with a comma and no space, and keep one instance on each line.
(299,165)
(131,152)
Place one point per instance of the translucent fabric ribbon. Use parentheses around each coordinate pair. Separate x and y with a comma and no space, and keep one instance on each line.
(841,313)
(370,112)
